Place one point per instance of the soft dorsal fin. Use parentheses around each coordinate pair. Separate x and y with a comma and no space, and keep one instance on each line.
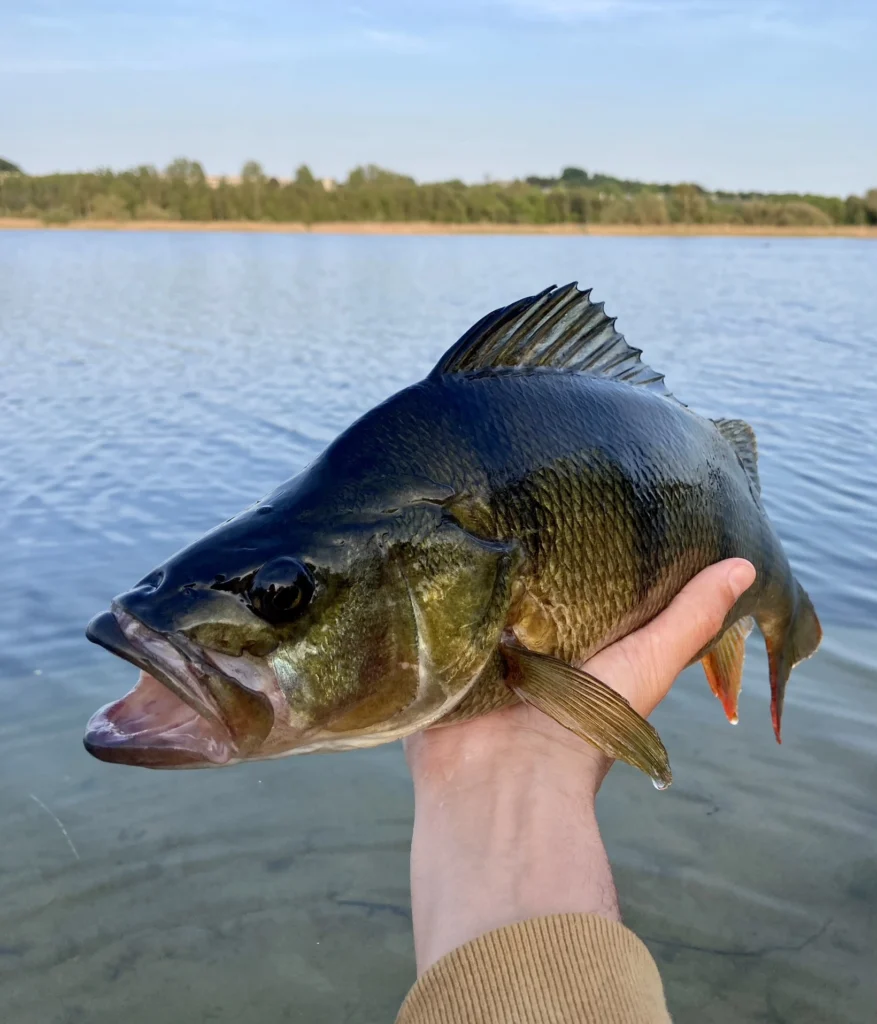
(560,328)
(741,438)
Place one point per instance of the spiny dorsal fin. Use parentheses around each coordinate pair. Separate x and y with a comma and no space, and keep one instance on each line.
(741,438)
(560,328)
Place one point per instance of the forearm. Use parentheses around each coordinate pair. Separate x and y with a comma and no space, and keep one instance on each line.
(505,830)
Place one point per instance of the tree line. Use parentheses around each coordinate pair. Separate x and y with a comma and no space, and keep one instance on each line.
(183,191)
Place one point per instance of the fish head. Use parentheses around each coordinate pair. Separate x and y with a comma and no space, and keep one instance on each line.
(300,626)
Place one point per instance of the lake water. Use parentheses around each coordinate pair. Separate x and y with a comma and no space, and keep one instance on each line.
(153,384)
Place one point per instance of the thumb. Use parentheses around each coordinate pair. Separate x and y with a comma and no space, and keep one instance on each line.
(644,665)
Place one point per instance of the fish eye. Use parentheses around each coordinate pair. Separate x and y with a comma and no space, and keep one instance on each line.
(281,590)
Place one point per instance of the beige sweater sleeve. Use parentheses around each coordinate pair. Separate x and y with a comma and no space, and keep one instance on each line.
(566,968)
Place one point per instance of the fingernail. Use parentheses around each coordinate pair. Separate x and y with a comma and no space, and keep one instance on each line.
(740,578)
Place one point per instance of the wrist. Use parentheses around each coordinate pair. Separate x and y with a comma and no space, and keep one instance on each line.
(505,829)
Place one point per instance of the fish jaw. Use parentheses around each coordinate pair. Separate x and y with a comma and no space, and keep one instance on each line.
(183,712)
(151,727)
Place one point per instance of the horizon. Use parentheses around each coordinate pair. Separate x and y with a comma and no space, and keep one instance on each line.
(767,96)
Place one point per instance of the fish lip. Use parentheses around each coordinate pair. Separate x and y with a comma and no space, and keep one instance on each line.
(124,635)
(184,741)
(127,730)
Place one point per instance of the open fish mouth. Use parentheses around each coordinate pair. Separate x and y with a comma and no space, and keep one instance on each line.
(183,712)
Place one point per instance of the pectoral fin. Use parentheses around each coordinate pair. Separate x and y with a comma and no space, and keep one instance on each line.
(724,666)
(589,708)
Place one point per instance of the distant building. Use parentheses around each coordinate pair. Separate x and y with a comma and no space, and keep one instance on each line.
(215,180)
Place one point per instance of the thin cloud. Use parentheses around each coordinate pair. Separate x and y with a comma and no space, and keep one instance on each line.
(396,42)
(804,23)
(574,10)
(182,55)
(39,66)
(49,23)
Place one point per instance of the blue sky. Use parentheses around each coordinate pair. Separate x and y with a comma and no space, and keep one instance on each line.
(740,94)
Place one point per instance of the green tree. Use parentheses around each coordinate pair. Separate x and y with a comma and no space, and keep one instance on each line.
(251,188)
(304,177)
(7,167)
(190,172)
(573,176)
(688,205)
(650,208)
(375,193)
(855,210)
(616,210)
(252,173)
(108,207)
(149,210)
(799,214)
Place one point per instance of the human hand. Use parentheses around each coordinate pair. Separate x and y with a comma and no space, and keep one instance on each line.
(505,827)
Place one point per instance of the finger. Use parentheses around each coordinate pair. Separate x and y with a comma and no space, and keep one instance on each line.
(644,665)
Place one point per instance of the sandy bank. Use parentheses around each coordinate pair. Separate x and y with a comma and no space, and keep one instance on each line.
(427,228)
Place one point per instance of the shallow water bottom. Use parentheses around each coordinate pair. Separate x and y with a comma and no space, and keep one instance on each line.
(279,891)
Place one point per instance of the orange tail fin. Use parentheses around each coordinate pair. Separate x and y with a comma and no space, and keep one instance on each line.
(786,647)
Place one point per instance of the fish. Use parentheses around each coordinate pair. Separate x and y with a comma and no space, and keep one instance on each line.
(466,545)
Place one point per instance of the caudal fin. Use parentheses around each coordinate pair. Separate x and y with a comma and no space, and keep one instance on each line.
(788,643)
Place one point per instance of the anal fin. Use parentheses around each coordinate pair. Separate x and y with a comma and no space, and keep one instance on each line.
(724,666)
(589,708)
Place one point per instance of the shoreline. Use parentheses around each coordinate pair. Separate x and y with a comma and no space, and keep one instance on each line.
(430,228)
